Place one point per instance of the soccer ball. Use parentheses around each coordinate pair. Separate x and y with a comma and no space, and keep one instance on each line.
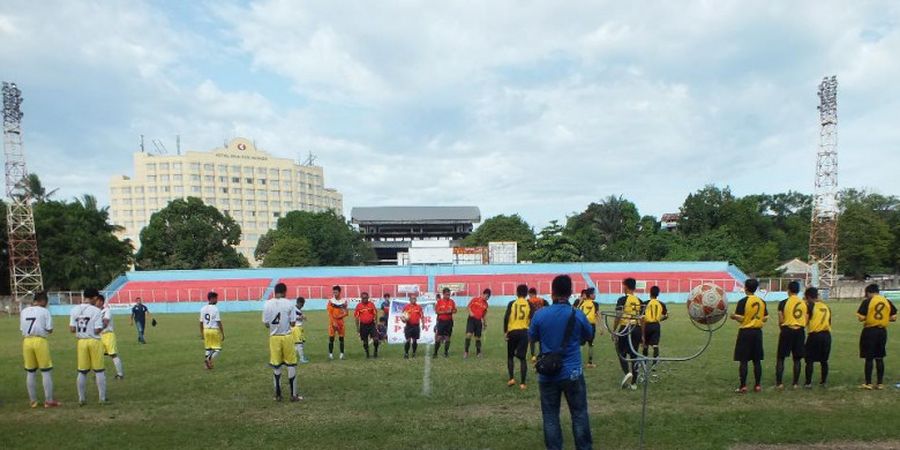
(707,304)
(404,316)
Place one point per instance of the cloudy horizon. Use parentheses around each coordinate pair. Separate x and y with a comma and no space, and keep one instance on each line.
(527,108)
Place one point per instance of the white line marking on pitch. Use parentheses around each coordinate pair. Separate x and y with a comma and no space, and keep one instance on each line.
(426,375)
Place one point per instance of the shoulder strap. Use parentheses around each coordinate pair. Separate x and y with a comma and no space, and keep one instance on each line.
(569,326)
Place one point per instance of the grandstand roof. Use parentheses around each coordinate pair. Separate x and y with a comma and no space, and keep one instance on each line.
(415,214)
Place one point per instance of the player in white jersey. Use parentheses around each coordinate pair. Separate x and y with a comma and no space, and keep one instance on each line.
(108,337)
(298,331)
(211,329)
(86,321)
(36,324)
(279,316)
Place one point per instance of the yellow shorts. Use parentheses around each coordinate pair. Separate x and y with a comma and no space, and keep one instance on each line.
(90,355)
(36,352)
(212,339)
(298,334)
(281,350)
(109,343)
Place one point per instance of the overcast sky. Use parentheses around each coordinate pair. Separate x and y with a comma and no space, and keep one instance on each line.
(530,107)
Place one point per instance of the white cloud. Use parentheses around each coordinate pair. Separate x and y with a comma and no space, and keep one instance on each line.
(537,108)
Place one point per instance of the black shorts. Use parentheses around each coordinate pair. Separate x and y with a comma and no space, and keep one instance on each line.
(622,343)
(749,345)
(873,343)
(791,341)
(412,331)
(367,331)
(651,333)
(818,347)
(517,343)
(444,328)
(594,334)
(474,326)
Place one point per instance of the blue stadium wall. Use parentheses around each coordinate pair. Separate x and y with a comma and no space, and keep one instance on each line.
(429,271)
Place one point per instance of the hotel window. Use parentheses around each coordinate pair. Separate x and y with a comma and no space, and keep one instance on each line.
(208,190)
(261,170)
(264,203)
(250,203)
(138,202)
(287,205)
(236,191)
(208,167)
(286,174)
(235,179)
(126,190)
(151,167)
(222,168)
(273,173)
(166,189)
(276,214)
(195,167)
(163,166)
(164,178)
(209,201)
(195,177)
(177,178)
(249,193)
(236,169)
(260,192)
(252,213)
(248,170)
(176,167)
(179,189)
(250,224)
(262,181)
(208,178)
(195,188)
(238,213)
(275,194)
(248,180)
(139,190)
(224,190)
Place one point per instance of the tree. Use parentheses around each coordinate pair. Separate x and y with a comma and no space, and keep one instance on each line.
(77,245)
(552,245)
(504,228)
(864,241)
(605,230)
(35,188)
(187,234)
(290,251)
(703,210)
(332,241)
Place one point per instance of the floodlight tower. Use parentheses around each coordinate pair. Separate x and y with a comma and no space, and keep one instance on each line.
(823,254)
(24,263)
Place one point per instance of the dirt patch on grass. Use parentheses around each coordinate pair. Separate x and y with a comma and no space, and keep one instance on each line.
(839,445)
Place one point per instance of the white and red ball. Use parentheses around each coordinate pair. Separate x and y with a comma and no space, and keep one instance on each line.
(707,304)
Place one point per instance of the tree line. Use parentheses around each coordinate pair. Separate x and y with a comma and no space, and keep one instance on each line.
(756,232)
(79,247)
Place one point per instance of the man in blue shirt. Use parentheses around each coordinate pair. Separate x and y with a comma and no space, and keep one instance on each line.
(548,326)
(139,315)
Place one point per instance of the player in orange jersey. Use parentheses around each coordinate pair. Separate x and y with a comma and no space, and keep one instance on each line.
(337,311)
(477,321)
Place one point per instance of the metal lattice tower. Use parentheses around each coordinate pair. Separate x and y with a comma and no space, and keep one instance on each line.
(24,263)
(823,229)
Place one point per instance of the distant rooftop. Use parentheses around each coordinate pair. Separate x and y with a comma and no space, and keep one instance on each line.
(415,214)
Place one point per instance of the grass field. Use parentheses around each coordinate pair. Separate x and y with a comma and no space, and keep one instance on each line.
(168,399)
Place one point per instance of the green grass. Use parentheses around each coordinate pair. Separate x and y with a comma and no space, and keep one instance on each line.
(169,400)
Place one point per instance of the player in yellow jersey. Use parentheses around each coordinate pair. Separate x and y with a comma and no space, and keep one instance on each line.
(36,324)
(792,318)
(751,314)
(212,330)
(818,340)
(515,327)
(655,312)
(628,309)
(875,312)
(108,337)
(588,305)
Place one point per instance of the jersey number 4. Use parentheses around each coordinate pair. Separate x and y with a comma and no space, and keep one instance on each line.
(277,319)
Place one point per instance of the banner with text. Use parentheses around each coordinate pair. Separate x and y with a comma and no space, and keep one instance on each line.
(395,325)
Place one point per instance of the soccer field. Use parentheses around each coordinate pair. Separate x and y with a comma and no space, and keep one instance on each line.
(169,400)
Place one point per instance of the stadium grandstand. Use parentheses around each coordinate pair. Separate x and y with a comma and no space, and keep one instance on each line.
(392,229)
(242,289)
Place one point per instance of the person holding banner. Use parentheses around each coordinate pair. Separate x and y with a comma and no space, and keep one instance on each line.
(477,322)
(412,317)
(445,309)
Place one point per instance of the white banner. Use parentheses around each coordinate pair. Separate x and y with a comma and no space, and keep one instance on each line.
(395,325)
